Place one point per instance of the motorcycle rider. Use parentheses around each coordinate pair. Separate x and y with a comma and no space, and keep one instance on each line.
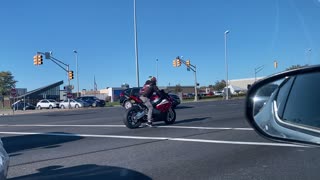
(145,93)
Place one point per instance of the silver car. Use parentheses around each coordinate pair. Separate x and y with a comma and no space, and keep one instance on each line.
(73,104)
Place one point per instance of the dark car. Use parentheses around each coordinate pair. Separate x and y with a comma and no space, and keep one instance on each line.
(176,100)
(21,105)
(125,94)
(93,101)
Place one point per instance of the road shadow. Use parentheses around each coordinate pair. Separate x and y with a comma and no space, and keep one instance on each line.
(83,172)
(14,144)
(187,121)
(184,107)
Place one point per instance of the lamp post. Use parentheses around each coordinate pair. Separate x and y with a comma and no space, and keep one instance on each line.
(226,63)
(157,70)
(136,42)
(76,54)
(256,70)
(309,56)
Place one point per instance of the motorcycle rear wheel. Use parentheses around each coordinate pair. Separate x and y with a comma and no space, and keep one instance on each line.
(129,119)
(170,116)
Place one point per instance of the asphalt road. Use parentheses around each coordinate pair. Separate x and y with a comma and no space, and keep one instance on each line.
(210,140)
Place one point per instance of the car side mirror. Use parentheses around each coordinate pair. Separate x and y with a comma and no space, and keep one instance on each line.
(285,106)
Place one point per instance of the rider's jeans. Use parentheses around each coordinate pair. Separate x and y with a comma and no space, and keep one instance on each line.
(147,102)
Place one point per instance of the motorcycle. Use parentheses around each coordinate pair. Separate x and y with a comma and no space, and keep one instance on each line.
(162,110)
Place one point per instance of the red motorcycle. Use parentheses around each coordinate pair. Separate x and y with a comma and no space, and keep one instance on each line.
(162,110)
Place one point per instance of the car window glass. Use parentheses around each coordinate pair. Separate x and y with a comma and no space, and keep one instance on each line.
(302,106)
(267,90)
(283,94)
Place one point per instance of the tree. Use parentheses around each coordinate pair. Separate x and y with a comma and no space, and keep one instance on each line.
(7,82)
(219,85)
(178,88)
(295,67)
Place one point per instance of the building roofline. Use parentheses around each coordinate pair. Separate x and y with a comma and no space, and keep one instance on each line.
(42,89)
(247,79)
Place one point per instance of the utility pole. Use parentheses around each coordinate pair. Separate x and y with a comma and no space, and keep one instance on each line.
(226,63)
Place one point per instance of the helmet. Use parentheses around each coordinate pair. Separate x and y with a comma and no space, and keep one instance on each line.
(152,79)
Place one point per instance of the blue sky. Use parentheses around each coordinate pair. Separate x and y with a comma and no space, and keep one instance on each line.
(102,32)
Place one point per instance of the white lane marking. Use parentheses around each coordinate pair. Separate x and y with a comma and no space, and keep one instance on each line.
(157,138)
(207,128)
(237,142)
(177,127)
(85,135)
(58,125)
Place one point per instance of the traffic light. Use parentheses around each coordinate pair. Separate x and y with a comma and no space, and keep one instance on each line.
(178,62)
(35,60)
(275,63)
(188,63)
(40,60)
(70,74)
(174,63)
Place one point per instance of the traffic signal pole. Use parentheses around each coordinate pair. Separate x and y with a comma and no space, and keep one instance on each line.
(177,62)
(38,61)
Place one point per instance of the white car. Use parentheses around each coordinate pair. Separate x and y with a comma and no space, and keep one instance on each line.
(4,162)
(73,104)
(218,93)
(47,103)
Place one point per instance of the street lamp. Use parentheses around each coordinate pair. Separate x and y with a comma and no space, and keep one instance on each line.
(136,42)
(76,53)
(256,70)
(157,69)
(309,56)
(226,63)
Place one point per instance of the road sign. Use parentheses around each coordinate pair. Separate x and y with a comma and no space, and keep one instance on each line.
(69,95)
(13,92)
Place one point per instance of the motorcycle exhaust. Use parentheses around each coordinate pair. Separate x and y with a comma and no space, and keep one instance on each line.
(140,115)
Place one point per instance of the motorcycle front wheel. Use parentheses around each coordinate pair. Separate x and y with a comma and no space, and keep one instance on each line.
(129,119)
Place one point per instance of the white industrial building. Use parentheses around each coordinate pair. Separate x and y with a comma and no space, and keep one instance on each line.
(243,83)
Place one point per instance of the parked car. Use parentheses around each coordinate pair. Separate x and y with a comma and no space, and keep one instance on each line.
(218,93)
(85,104)
(73,103)
(176,100)
(4,162)
(47,103)
(21,105)
(93,101)
(125,94)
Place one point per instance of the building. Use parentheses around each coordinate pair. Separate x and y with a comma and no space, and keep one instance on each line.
(243,83)
(21,91)
(51,91)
